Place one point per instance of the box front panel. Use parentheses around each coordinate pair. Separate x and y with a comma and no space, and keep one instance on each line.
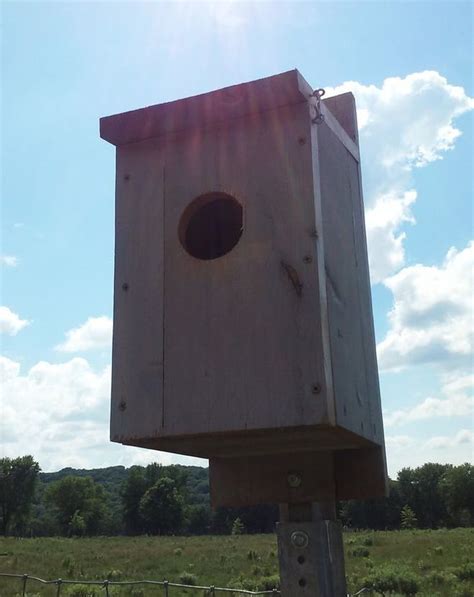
(242,330)
(137,363)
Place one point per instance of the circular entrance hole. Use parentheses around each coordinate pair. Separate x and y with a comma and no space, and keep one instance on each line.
(211,225)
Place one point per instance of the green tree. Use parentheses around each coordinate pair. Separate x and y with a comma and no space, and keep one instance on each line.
(408,518)
(132,492)
(18,477)
(198,519)
(457,489)
(74,497)
(162,508)
(419,489)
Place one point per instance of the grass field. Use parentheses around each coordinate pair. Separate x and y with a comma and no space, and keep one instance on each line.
(425,563)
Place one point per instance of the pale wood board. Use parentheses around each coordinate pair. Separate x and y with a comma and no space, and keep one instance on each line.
(357,394)
(242,348)
(207,109)
(137,371)
(256,442)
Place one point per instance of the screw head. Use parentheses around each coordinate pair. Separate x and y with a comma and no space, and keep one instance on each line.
(294,480)
(316,388)
(300,539)
(122,405)
(125,286)
(301,140)
(126,176)
(307,259)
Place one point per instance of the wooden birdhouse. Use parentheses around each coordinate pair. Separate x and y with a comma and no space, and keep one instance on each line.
(243,327)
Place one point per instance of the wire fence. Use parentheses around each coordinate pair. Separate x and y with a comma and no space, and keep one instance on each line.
(106,585)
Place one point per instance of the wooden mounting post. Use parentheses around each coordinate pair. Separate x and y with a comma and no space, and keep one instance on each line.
(310,551)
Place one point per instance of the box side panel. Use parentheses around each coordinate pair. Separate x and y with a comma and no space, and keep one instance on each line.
(355,377)
(374,405)
(137,361)
(242,332)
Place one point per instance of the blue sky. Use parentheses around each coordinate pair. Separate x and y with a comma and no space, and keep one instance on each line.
(65,64)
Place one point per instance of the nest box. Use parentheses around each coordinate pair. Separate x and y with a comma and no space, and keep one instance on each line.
(243,327)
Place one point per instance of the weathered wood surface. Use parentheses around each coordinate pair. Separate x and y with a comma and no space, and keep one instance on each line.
(342,107)
(320,475)
(282,478)
(269,349)
(137,372)
(352,339)
(242,348)
(207,109)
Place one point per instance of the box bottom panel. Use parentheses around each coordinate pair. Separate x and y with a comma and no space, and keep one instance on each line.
(254,442)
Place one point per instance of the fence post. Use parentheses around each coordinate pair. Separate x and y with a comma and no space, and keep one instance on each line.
(310,551)
(59,583)
(25,580)
(165,585)
(106,587)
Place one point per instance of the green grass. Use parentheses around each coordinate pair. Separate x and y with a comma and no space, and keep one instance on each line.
(438,563)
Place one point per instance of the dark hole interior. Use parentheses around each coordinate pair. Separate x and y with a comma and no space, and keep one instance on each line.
(213,228)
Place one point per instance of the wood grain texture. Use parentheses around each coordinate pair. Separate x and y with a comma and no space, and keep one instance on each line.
(242,348)
(342,107)
(206,110)
(325,476)
(268,350)
(356,390)
(341,134)
(264,479)
(137,361)
(361,473)
(255,442)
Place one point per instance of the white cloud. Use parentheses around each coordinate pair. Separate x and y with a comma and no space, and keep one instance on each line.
(59,413)
(458,402)
(9,260)
(383,221)
(406,123)
(396,442)
(10,322)
(464,436)
(405,450)
(432,316)
(96,332)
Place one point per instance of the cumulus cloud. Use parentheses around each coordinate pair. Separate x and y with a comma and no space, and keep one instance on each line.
(406,123)
(406,450)
(431,319)
(59,413)
(463,436)
(398,441)
(8,260)
(96,332)
(10,322)
(458,402)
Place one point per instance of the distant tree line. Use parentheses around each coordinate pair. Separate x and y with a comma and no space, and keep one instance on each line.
(175,500)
